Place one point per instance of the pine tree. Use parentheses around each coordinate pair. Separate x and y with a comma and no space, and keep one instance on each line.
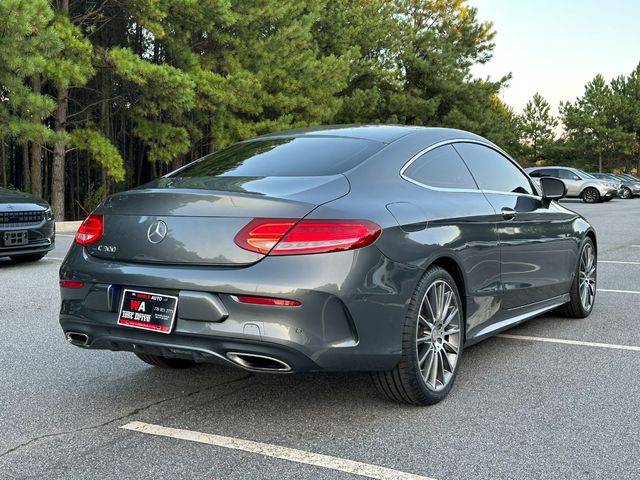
(538,126)
(626,99)
(591,123)
(27,41)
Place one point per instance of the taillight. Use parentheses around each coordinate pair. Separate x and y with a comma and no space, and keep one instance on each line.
(91,230)
(286,237)
(71,284)
(280,302)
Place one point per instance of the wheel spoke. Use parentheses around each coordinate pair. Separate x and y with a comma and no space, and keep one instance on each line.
(425,322)
(452,315)
(425,355)
(433,373)
(448,295)
(453,347)
(441,364)
(451,331)
(428,302)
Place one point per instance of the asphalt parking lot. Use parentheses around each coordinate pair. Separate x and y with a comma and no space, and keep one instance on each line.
(524,405)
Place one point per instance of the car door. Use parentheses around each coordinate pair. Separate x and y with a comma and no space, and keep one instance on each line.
(536,250)
(572,181)
(461,223)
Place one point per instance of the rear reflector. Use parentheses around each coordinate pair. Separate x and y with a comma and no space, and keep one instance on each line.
(91,230)
(268,301)
(71,284)
(286,237)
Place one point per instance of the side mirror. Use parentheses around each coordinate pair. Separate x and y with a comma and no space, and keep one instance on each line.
(552,189)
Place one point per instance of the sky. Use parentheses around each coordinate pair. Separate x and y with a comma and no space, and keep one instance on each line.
(554,47)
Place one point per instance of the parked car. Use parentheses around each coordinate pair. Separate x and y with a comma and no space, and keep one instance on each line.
(625,187)
(27,229)
(374,248)
(579,184)
(635,181)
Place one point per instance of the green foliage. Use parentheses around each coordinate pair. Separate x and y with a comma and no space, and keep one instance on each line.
(100,149)
(592,125)
(537,127)
(26,44)
(154,83)
(163,95)
(73,65)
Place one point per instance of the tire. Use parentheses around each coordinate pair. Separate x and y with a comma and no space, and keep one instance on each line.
(163,362)
(406,383)
(626,193)
(576,307)
(590,195)
(34,257)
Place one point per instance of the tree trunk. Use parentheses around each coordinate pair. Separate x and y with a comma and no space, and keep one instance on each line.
(59,147)
(26,177)
(36,151)
(3,164)
(600,162)
(57,171)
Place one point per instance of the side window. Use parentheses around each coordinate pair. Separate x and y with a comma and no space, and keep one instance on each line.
(546,172)
(536,173)
(441,167)
(492,170)
(566,174)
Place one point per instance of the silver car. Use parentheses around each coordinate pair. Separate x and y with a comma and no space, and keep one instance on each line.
(635,182)
(579,184)
(625,188)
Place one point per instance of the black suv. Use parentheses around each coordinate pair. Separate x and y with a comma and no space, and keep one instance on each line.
(27,229)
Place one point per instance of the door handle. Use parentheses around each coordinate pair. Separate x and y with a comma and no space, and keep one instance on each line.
(508,213)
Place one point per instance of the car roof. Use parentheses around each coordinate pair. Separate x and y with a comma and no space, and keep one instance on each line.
(378,133)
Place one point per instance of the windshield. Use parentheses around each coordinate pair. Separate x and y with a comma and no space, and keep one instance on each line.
(584,175)
(283,157)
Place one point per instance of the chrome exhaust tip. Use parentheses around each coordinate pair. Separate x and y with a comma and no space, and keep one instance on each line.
(76,338)
(263,363)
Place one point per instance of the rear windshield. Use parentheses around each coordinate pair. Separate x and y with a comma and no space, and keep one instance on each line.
(283,157)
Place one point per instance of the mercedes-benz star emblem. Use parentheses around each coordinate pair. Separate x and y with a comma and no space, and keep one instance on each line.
(157,231)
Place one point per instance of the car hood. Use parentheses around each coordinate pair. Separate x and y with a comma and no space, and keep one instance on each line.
(16,200)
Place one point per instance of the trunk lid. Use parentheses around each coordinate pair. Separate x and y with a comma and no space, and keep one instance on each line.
(194,220)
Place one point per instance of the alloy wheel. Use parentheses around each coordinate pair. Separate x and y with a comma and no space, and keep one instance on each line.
(587,277)
(591,195)
(438,336)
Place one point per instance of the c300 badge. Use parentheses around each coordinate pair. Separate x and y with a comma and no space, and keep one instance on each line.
(107,248)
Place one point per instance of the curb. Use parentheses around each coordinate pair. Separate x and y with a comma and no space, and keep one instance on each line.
(67,227)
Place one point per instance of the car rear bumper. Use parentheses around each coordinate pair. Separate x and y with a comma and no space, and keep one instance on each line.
(351,316)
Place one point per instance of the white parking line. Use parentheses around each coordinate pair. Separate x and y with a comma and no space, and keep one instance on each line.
(54,258)
(620,262)
(276,451)
(570,342)
(606,290)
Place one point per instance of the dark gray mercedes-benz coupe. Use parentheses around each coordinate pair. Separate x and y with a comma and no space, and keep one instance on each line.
(27,229)
(372,248)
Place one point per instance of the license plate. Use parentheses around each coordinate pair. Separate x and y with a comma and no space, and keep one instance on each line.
(12,239)
(148,310)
